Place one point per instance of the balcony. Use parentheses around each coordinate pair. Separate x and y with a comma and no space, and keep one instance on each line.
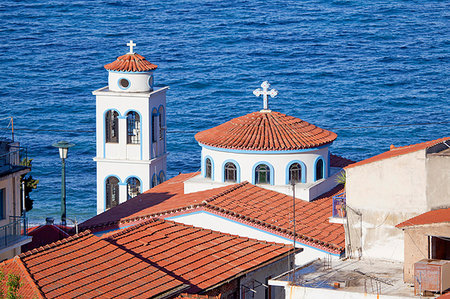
(11,157)
(14,234)
(339,210)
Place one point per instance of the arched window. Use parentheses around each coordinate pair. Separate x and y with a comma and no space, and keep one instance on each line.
(208,168)
(112,192)
(162,177)
(154,125)
(154,181)
(133,187)
(133,128)
(112,126)
(262,174)
(230,172)
(319,169)
(295,173)
(161,122)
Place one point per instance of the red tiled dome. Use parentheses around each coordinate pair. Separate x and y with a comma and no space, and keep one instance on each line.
(131,63)
(265,131)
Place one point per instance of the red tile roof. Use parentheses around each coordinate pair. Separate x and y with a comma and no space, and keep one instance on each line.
(397,151)
(268,210)
(131,63)
(28,289)
(265,131)
(436,216)
(85,266)
(203,258)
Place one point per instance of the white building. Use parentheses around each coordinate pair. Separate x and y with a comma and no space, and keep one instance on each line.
(131,136)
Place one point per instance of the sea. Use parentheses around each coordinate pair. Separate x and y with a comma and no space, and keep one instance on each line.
(375,72)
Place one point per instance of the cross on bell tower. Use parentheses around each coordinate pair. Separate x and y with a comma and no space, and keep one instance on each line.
(265,92)
(131,45)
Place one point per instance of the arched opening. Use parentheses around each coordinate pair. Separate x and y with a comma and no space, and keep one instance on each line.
(133,187)
(112,192)
(230,172)
(295,173)
(161,123)
(208,168)
(262,174)
(319,169)
(154,181)
(112,126)
(162,177)
(154,125)
(133,128)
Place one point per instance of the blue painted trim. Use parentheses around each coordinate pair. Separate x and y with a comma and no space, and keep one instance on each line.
(159,176)
(141,127)
(148,81)
(154,114)
(164,120)
(227,150)
(133,176)
(204,166)
(303,167)
(104,188)
(120,86)
(124,72)
(151,183)
(328,165)
(238,170)
(252,227)
(323,168)
(272,173)
(104,128)
(102,232)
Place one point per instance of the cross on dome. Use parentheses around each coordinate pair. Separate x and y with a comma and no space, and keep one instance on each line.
(131,45)
(265,92)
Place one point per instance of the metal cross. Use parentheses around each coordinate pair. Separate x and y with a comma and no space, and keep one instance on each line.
(131,45)
(265,92)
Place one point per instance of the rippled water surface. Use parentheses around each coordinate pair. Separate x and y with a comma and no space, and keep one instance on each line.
(343,65)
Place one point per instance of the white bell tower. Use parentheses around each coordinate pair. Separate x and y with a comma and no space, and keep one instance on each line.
(131,131)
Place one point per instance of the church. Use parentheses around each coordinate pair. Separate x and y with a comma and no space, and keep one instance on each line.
(255,169)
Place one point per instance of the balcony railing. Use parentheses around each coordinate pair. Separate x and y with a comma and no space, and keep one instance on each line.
(12,158)
(339,210)
(13,232)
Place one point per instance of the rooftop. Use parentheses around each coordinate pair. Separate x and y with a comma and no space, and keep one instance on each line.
(265,131)
(435,216)
(131,62)
(397,151)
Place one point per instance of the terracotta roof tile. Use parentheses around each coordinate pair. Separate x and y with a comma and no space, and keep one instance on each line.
(397,151)
(435,216)
(131,63)
(265,131)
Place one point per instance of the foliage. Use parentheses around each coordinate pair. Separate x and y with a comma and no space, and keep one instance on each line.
(341,178)
(13,285)
(30,184)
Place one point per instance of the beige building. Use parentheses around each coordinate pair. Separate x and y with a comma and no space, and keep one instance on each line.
(12,235)
(390,188)
(426,236)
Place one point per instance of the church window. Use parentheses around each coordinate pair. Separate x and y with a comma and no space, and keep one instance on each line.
(161,123)
(262,174)
(208,168)
(133,187)
(154,181)
(112,126)
(150,82)
(319,169)
(295,173)
(162,177)
(230,172)
(154,126)
(133,128)
(124,83)
(112,192)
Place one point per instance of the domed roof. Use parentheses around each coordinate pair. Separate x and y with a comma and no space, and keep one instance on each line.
(131,62)
(266,131)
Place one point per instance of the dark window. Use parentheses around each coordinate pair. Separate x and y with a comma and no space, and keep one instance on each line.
(155,125)
(2,203)
(208,168)
(319,170)
(295,173)
(162,177)
(112,192)
(440,248)
(112,126)
(154,181)
(133,187)
(161,123)
(133,128)
(124,83)
(262,174)
(230,172)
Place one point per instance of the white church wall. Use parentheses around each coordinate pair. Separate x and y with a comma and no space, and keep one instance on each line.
(137,82)
(215,222)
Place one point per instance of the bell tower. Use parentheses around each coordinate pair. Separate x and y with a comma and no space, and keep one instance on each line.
(130,131)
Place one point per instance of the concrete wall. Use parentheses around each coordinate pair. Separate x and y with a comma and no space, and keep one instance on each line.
(379,196)
(298,292)
(438,181)
(416,245)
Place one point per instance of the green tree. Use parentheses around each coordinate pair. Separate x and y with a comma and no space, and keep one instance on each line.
(341,178)
(13,285)
(30,184)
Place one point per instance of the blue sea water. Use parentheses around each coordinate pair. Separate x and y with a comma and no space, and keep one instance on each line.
(349,66)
